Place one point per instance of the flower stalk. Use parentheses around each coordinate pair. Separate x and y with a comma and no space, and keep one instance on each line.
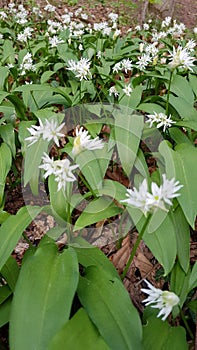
(136,245)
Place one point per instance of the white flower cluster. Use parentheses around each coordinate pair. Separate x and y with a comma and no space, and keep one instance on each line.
(25,35)
(48,131)
(163,300)
(27,64)
(181,57)
(83,141)
(61,169)
(125,65)
(161,119)
(55,41)
(81,69)
(158,198)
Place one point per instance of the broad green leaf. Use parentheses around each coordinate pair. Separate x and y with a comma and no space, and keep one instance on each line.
(5,165)
(97,210)
(193,82)
(78,333)
(193,277)
(134,99)
(5,292)
(182,88)
(113,189)
(46,76)
(182,231)
(33,156)
(4,72)
(179,284)
(183,107)
(10,272)
(178,136)
(128,131)
(8,136)
(182,165)
(47,281)
(8,52)
(90,255)
(93,165)
(60,204)
(157,335)
(162,244)
(150,108)
(109,306)
(5,309)
(12,229)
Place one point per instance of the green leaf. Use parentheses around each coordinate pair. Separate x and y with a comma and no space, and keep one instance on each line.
(182,165)
(150,108)
(128,131)
(193,277)
(97,210)
(109,306)
(90,255)
(5,165)
(182,231)
(134,99)
(4,72)
(10,272)
(113,189)
(93,165)
(183,107)
(46,76)
(47,281)
(8,136)
(162,244)
(12,229)
(179,284)
(182,88)
(5,292)
(78,333)
(33,155)
(157,334)
(5,311)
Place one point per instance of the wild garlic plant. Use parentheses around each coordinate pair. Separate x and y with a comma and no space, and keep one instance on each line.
(105,124)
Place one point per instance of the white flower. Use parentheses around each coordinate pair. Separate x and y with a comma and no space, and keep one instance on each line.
(50,8)
(48,131)
(161,120)
(117,67)
(83,141)
(80,68)
(146,26)
(191,44)
(180,57)
(27,64)
(127,90)
(166,22)
(113,91)
(195,30)
(137,28)
(61,169)
(159,195)
(143,61)
(126,65)
(169,189)
(54,41)
(163,300)
(138,198)
(116,33)
(113,16)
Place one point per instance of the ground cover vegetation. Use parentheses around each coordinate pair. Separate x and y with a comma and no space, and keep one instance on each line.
(99,130)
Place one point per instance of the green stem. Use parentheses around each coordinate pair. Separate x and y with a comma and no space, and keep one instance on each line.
(168,94)
(135,247)
(186,324)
